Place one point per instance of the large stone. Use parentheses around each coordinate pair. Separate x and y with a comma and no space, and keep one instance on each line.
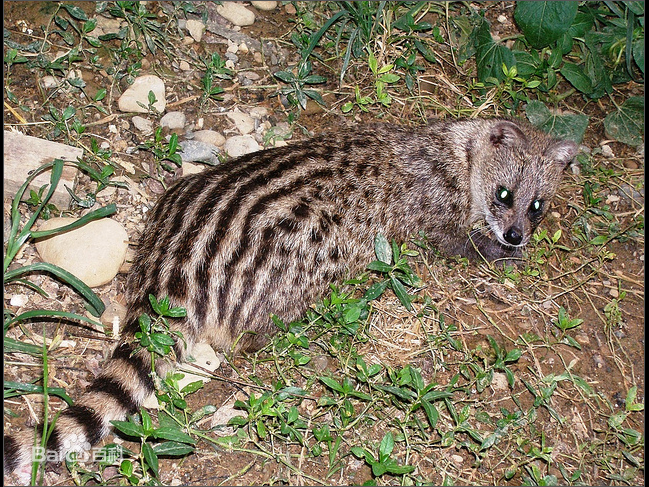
(139,92)
(244,122)
(241,144)
(264,5)
(236,13)
(93,252)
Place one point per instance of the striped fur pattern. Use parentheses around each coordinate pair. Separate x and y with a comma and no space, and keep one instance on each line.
(266,233)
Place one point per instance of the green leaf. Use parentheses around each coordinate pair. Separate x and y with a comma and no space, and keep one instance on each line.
(386,446)
(75,11)
(172,449)
(173,434)
(431,413)
(40,313)
(129,428)
(375,290)
(285,76)
(379,266)
(402,393)
(490,56)
(570,127)
(400,290)
(577,78)
(33,388)
(382,248)
(150,457)
(638,53)
(627,123)
(332,384)
(542,23)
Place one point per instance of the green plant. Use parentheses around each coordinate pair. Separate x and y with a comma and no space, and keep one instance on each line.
(156,335)
(297,93)
(565,323)
(383,462)
(158,339)
(162,150)
(64,122)
(142,23)
(214,68)
(392,262)
(382,78)
(178,443)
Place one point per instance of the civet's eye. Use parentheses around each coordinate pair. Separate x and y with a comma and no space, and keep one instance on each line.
(536,206)
(504,196)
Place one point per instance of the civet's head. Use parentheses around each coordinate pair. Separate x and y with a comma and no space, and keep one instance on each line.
(518,171)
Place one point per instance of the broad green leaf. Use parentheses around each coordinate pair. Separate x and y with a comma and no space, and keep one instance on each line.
(173,449)
(173,434)
(577,78)
(544,22)
(627,123)
(386,447)
(379,266)
(490,56)
(526,63)
(128,428)
(382,249)
(150,457)
(331,383)
(376,290)
(75,11)
(400,290)
(570,127)
(431,413)
(638,53)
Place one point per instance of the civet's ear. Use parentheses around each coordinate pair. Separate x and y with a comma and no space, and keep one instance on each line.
(562,152)
(506,134)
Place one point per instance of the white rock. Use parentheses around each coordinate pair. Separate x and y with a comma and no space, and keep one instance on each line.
(244,122)
(258,112)
(264,5)
(173,120)
(192,168)
(18,300)
(93,252)
(48,82)
(139,92)
(607,151)
(499,382)
(142,124)
(236,13)
(241,144)
(209,137)
(184,66)
(196,29)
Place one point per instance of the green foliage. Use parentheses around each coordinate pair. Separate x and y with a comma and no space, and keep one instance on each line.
(162,150)
(175,442)
(214,69)
(156,336)
(383,462)
(626,124)
(570,127)
(393,264)
(297,92)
